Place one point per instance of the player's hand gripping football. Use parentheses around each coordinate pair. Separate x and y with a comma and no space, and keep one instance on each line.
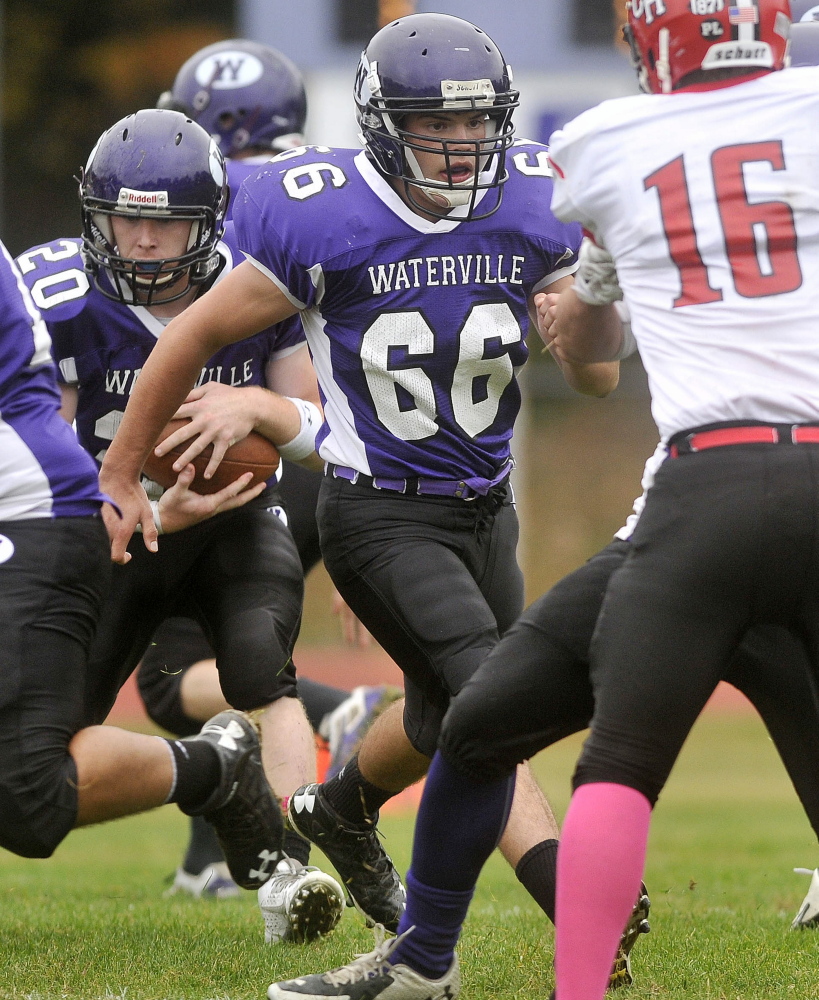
(217,414)
(180,507)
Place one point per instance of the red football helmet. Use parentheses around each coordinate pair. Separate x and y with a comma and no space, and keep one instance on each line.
(671,38)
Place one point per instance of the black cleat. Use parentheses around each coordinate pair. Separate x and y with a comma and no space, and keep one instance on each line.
(243,810)
(367,873)
(637,924)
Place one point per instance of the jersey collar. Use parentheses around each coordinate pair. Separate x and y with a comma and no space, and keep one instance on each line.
(153,324)
(386,193)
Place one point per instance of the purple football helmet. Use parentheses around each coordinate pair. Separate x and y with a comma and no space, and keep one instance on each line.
(246,95)
(438,62)
(156,163)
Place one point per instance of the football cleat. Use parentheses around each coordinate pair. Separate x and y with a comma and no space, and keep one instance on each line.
(637,924)
(242,809)
(367,872)
(369,976)
(213,882)
(299,903)
(346,726)
(808,913)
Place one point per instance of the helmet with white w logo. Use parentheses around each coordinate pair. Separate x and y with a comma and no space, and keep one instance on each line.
(671,39)
(246,95)
(436,62)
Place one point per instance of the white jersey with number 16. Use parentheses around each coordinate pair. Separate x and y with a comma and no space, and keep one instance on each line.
(708,199)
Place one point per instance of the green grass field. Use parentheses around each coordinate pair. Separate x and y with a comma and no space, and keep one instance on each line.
(91,922)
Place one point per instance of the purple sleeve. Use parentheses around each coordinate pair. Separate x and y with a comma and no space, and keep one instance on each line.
(266,247)
(289,333)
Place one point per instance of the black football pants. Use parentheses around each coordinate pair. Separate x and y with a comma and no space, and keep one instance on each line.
(51,589)
(239,574)
(728,540)
(534,688)
(434,579)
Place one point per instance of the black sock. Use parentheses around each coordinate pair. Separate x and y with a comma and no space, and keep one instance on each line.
(296,847)
(352,796)
(537,872)
(198,772)
(203,847)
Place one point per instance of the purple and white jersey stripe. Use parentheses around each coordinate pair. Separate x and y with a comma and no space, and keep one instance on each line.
(43,470)
(416,328)
(101,345)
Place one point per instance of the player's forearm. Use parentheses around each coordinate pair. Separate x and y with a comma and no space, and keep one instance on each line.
(585,334)
(591,380)
(275,416)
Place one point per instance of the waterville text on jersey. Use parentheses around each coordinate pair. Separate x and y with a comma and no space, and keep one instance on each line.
(426,272)
(117,379)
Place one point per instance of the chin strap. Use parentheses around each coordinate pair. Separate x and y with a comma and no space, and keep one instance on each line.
(664,61)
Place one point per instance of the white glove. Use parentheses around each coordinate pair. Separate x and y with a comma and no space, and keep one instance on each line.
(595,281)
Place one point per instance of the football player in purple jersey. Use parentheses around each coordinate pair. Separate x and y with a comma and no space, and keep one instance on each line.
(57,769)
(153,196)
(413,265)
(251,99)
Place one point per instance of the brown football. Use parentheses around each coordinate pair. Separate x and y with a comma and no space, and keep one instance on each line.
(255,454)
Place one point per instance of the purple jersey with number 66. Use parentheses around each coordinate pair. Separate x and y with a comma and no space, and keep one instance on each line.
(416,327)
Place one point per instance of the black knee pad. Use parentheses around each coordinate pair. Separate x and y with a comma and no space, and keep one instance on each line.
(469,742)
(256,668)
(37,814)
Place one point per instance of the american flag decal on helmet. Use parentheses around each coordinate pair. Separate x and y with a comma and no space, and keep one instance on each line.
(743,15)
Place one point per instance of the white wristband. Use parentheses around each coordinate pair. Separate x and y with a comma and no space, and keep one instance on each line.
(305,441)
(157,519)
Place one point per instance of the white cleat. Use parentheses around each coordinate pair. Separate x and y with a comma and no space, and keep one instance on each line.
(213,882)
(808,913)
(299,903)
(371,976)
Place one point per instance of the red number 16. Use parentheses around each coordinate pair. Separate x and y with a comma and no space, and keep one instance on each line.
(760,239)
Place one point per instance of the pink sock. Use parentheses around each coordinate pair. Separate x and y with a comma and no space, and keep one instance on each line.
(599,866)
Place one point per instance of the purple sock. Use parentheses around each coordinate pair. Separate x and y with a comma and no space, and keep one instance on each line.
(460,822)
(436,916)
